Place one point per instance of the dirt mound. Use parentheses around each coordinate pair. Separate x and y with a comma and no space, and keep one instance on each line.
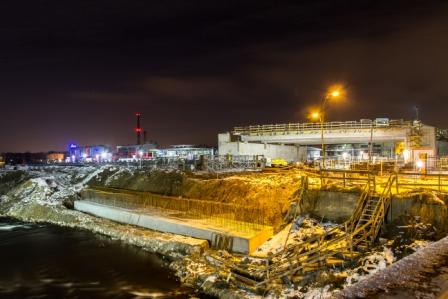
(429,206)
(10,179)
(160,182)
(268,191)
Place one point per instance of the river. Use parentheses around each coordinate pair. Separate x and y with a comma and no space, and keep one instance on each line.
(47,261)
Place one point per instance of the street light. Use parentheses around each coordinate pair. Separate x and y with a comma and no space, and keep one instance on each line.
(334,93)
(140,154)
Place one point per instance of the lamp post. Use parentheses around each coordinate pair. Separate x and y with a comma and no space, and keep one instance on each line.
(140,154)
(370,145)
(321,117)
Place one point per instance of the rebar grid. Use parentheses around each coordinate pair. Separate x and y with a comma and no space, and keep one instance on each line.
(227,216)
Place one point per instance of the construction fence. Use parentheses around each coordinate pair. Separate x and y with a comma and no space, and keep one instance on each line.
(405,182)
(384,165)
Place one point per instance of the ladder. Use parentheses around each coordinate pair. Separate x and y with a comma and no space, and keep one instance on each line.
(365,225)
(360,230)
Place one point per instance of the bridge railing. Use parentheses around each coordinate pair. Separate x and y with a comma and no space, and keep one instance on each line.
(298,127)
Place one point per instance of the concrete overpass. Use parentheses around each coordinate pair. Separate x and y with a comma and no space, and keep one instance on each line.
(334,133)
(292,141)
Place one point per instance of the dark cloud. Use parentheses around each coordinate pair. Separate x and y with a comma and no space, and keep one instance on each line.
(79,70)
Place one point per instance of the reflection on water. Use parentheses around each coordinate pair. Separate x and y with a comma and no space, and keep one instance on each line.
(45,261)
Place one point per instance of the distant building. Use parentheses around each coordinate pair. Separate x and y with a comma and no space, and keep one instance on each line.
(56,157)
(89,153)
(185,151)
(135,151)
(150,151)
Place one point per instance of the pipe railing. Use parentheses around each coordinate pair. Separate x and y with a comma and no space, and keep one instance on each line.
(296,127)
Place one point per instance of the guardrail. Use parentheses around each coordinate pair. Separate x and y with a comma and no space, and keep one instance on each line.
(297,127)
(430,181)
(405,181)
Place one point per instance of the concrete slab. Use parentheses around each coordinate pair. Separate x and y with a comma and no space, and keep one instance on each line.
(207,229)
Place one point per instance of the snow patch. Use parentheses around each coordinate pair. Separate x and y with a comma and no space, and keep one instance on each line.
(370,265)
(302,228)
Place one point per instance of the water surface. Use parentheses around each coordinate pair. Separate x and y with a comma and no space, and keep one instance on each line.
(46,261)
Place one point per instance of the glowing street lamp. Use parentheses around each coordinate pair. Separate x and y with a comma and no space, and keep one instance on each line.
(420,164)
(315,115)
(335,93)
(332,94)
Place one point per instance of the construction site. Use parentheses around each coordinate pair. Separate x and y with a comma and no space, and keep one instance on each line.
(224,149)
(347,201)
(280,229)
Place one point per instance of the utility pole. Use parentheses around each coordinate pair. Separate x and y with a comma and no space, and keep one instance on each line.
(138,128)
(416,113)
(321,117)
(370,146)
(322,138)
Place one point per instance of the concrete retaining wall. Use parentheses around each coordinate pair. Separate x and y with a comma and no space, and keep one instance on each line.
(240,244)
(332,206)
(338,207)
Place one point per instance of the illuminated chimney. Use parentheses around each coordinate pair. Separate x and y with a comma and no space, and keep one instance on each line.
(138,129)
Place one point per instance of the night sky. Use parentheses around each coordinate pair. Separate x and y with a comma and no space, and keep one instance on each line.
(79,70)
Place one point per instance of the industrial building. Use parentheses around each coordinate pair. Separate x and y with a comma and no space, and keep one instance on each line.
(149,150)
(135,151)
(353,140)
(186,151)
(56,157)
(89,153)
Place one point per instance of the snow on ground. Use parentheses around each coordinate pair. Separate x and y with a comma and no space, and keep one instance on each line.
(419,244)
(303,228)
(405,274)
(90,176)
(120,173)
(51,185)
(370,265)
(311,293)
(34,190)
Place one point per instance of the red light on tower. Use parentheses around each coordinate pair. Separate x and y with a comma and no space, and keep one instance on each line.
(138,129)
